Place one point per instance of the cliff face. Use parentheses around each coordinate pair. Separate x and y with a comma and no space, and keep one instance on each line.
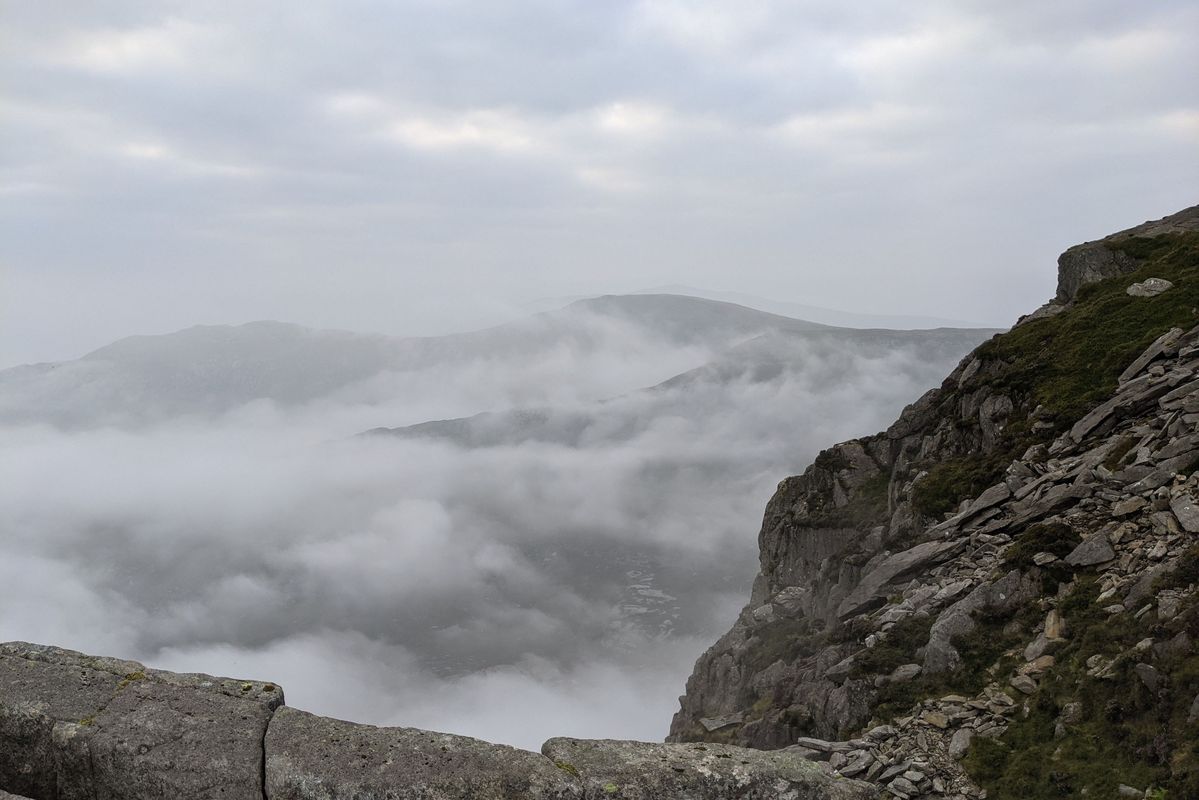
(946,579)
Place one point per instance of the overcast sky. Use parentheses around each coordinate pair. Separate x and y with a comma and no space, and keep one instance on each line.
(420,167)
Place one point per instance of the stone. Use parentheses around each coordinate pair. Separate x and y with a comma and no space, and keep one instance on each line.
(869,591)
(1072,713)
(903,786)
(317,758)
(6,796)
(1186,512)
(905,672)
(644,771)
(1150,287)
(1193,714)
(83,726)
(1130,506)
(1095,549)
(959,744)
(1159,346)
(1124,790)
(936,719)
(1055,625)
(716,723)
(1043,558)
(1149,676)
(823,745)
(1023,684)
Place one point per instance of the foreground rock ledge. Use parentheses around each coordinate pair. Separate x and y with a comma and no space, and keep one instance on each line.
(79,726)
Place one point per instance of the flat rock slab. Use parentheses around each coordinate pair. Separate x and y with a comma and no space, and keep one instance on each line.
(77,726)
(318,758)
(616,770)
(6,796)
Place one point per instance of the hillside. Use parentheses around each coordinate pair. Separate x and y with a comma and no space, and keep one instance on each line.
(212,369)
(997,592)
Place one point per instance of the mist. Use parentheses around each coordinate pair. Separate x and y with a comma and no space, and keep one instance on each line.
(552,567)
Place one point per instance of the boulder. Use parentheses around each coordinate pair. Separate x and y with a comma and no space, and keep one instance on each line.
(1186,511)
(80,726)
(318,758)
(1159,346)
(1150,287)
(870,589)
(644,771)
(959,745)
(1095,549)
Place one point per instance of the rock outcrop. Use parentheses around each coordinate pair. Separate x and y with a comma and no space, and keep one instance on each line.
(1094,261)
(927,590)
(78,726)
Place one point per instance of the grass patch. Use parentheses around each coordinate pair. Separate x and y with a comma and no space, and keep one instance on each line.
(1127,734)
(1067,363)
(949,482)
(899,647)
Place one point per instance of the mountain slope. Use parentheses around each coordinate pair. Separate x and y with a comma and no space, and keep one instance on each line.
(209,370)
(820,360)
(1005,574)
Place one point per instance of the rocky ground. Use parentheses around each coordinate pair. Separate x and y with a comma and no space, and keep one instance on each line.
(1005,575)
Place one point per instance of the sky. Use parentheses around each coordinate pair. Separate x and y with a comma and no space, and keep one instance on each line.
(423,167)
(426,167)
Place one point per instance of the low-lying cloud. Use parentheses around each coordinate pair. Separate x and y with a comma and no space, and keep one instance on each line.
(528,588)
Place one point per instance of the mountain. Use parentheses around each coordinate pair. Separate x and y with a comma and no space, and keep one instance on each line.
(997,593)
(210,370)
(825,316)
(812,360)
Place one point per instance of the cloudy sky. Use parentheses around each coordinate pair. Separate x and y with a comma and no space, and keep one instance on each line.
(419,167)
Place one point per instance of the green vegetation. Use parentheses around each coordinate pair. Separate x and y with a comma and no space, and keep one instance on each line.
(1053,538)
(951,481)
(982,659)
(786,639)
(1070,362)
(899,647)
(1126,733)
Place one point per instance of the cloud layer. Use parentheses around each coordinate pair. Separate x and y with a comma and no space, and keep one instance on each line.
(530,586)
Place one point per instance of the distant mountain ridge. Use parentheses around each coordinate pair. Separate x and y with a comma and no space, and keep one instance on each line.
(206,370)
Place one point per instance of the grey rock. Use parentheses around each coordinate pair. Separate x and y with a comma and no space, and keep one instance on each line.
(1095,549)
(959,744)
(905,672)
(1072,713)
(1129,506)
(1023,684)
(869,591)
(644,771)
(6,796)
(1193,714)
(1124,790)
(1152,352)
(823,745)
(317,758)
(1088,263)
(81,726)
(1186,511)
(1149,676)
(716,723)
(1150,287)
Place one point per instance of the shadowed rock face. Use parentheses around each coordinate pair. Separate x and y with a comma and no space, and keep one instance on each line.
(78,726)
(1094,261)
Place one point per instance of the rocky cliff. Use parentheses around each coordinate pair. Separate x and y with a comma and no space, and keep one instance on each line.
(995,596)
